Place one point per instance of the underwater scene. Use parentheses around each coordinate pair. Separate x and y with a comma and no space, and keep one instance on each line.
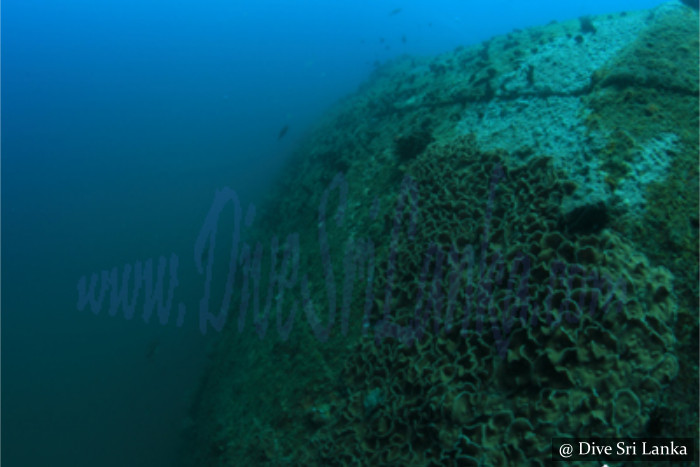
(387,234)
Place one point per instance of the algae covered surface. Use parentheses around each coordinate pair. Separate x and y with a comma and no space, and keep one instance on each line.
(471,255)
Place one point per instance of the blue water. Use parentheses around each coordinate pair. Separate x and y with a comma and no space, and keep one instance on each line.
(120,120)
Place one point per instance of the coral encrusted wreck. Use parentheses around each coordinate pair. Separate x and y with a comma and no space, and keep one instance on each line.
(511,254)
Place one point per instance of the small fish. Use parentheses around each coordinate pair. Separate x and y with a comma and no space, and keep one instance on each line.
(403,38)
(152,348)
(395,11)
(283,132)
